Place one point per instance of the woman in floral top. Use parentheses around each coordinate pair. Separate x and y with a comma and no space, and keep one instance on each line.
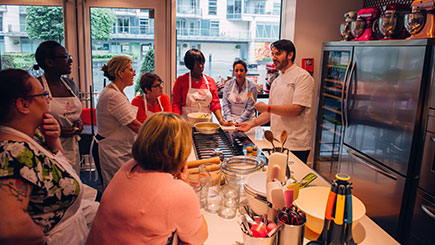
(39,191)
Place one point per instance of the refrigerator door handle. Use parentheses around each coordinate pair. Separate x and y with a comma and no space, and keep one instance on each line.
(343,119)
(427,211)
(368,163)
(432,138)
(346,109)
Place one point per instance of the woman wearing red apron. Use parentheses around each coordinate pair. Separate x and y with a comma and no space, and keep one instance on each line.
(153,100)
(194,91)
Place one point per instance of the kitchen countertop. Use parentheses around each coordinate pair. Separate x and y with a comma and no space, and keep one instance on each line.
(227,231)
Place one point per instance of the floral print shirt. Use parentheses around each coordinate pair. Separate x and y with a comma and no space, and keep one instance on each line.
(53,188)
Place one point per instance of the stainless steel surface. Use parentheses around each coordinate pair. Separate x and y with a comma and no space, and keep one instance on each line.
(431,121)
(427,174)
(379,189)
(423,221)
(348,85)
(383,99)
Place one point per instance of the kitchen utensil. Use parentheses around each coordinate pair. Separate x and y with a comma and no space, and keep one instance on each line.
(251,96)
(345,28)
(268,135)
(279,159)
(313,201)
(306,180)
(196,163)
(295,188)
(337,225)
(288,197)
(283,139)
(420,23)
(278,201)
(348,233)
(323,237)
(362,28)
(207,127)
(391,21)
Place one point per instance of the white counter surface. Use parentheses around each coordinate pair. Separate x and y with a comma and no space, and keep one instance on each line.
(227,231)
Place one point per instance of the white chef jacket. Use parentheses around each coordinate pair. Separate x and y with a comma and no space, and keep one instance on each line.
(293,87)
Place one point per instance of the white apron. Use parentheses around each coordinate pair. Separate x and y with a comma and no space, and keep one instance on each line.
(66,110)
(115,149)
(197,100)
(72,228)
(150,113)
(238,101)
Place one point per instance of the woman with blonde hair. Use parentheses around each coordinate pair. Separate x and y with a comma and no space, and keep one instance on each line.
(148,199)
(116,118)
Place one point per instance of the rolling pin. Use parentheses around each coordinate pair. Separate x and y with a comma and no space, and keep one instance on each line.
(209,168)
(215,177)
(196,163)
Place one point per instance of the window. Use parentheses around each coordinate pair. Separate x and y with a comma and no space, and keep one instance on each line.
(276,9)
(234,9)
(132,36)
(233,33)
(254,6)
(212,7)
(19,43)
(122,25)
(267,31)
(190,7)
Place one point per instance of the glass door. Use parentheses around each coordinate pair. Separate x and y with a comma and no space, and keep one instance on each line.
(329,117)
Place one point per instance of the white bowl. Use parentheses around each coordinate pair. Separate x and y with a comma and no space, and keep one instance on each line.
(312,200)
(255,188)
(196,117)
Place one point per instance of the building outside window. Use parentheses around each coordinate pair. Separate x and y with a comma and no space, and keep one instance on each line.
(212,7)
(234,9)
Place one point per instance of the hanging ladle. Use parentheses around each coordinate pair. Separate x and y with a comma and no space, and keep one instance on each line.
(283,139)
(269,137)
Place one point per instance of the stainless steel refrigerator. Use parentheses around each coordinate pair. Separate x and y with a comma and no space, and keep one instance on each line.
(383,97)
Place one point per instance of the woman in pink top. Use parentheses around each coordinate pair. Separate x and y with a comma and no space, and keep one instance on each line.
(148,199)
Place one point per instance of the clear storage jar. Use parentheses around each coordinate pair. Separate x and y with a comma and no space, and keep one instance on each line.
(235,170)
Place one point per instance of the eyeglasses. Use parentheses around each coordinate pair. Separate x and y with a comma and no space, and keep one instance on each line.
(45,94)
(63,57)
(158,85)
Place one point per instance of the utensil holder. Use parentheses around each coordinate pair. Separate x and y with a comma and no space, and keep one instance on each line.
(249,240)
(291,234)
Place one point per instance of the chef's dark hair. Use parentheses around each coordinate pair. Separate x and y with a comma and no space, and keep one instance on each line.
(147,80)
(241,62)
(45,50)
(192,56)
(285,45)
(14,83)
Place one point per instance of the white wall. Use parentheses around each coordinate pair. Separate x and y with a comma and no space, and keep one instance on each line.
(316,21)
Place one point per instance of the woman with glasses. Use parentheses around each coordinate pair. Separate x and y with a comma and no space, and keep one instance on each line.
(148,199)
(65,105)
(153,100)
(41,194)
(116,118)
(194,91)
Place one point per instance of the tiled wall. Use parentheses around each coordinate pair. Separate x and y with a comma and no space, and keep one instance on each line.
(380,3)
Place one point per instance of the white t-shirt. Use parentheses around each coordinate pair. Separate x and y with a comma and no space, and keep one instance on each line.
(113,111)
(293,87)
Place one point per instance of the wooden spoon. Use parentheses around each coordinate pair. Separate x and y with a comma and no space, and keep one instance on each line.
(269,137)
(251,96)
(283,139)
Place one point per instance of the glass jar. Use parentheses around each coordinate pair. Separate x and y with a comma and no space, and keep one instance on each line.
(235,170)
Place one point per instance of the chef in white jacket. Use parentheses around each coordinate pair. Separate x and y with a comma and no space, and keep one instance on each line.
(290,101)
(116,118)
